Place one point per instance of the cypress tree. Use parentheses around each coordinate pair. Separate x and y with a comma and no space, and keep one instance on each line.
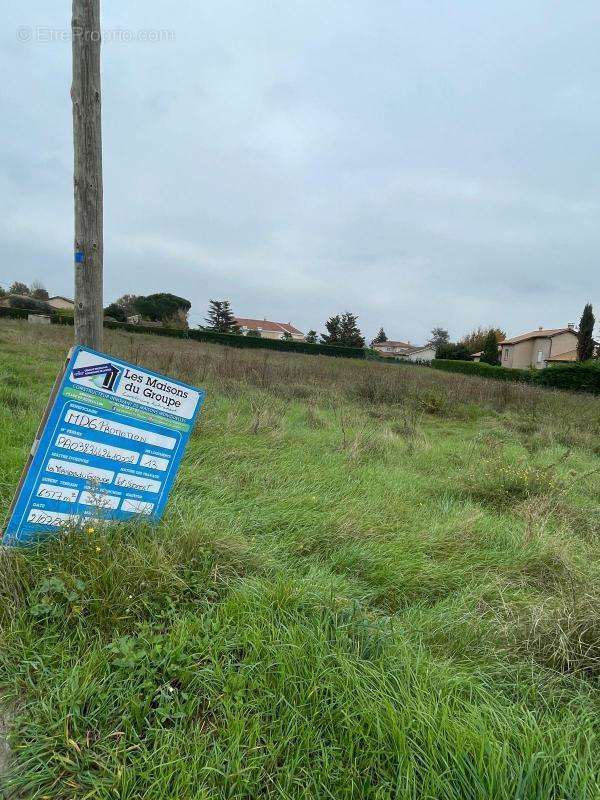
(585,337)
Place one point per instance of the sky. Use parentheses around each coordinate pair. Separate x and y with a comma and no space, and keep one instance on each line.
(418,163)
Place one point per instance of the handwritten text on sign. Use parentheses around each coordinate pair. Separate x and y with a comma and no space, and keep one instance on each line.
(110,448)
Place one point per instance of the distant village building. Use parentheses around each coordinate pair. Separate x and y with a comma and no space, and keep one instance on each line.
(391,349)
(405,351)
(268,329)
(539,348)
(425,353)
(61,302)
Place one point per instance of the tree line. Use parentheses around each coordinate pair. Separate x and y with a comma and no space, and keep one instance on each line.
(342,330)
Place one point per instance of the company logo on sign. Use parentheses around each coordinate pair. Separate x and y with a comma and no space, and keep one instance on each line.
(103,376)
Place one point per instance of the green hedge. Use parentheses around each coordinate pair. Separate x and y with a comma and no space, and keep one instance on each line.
(484,370)
(23,313)
(579,377)
(255,342)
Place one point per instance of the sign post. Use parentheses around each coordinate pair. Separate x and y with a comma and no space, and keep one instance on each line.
(108,448)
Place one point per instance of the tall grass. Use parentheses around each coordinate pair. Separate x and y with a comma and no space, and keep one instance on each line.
(371,582)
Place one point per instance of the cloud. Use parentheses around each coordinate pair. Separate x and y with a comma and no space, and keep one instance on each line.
(417,168)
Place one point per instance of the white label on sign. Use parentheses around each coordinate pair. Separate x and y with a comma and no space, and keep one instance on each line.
(40,517)
(134,384)
(107,426)
(137,507)
(89,448)
(99,500)
(139,484)
(71,470)
(62,493)
(154,462)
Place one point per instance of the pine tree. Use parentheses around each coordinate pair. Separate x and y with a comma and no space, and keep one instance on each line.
(380,338)
(585,337)
(490,350)
(220,317)
(333,331)
(350,332)
(311,337)
(342,330)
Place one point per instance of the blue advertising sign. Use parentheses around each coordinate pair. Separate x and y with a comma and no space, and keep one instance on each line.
(109,450)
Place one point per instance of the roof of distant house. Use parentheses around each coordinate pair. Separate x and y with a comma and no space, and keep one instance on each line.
(390,343)
(541,333)
(60,297)
(268,325)
(423,347)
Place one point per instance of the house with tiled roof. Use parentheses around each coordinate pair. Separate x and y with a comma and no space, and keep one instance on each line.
(268,329)
(539,348)
(391,349)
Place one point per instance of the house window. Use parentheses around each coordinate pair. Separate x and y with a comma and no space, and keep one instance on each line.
(540,356)
(505,354)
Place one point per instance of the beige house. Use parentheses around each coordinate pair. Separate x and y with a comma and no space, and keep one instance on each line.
(539,348)
(268,329)
(394,349)
(61,302)
(405,350)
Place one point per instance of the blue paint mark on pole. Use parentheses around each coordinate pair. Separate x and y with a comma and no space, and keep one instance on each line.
(109,451)
(79,257)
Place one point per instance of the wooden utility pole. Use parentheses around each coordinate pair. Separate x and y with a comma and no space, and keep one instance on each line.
(87,140)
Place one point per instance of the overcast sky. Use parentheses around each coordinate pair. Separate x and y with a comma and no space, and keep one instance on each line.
(418,163)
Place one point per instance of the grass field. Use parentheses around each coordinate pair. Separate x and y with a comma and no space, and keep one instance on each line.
(371,582)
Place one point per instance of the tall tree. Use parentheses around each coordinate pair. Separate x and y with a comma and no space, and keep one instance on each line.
(311,337)
(38,291)
(380,338)
(333,331)
(490,350)
(220,317)
(453,352)
(19,288)
(585,337)
(475,340)
(342,330)
(162,306)
(439,336)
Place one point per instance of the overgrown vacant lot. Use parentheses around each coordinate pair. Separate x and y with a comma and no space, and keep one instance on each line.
(371,582)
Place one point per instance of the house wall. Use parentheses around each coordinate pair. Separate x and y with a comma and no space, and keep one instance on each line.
(423,355)
(536,352)
(563,343)
(58,302)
